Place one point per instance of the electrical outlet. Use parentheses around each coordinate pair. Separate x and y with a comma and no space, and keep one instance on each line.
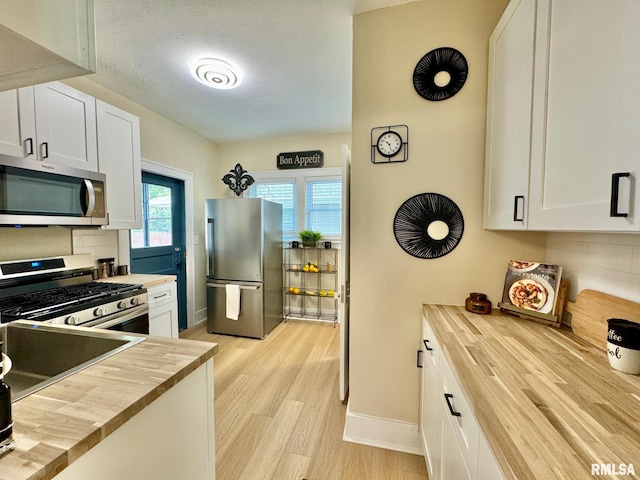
(196,239)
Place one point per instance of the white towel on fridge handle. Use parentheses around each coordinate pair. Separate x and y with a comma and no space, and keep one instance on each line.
(233,301)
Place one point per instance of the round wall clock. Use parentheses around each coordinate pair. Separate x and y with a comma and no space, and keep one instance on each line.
(389,144)
(440,74)
(428,225)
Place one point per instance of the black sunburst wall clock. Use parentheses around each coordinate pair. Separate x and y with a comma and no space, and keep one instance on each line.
(440,74)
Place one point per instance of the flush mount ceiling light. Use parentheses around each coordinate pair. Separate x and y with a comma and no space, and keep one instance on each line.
(216,73)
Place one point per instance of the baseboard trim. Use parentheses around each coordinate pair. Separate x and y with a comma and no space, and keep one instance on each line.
(382,433)
(201,316)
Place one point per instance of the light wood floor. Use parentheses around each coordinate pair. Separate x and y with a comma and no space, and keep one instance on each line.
(278,414)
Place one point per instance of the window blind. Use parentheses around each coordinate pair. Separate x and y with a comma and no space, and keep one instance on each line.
(324,206)
(283,193)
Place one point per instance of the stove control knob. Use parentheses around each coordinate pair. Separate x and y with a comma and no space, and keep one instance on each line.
(122,305)
(100,311)
(135,301)
(72,320)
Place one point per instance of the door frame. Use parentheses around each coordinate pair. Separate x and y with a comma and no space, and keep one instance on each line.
(123,235)
(344,274)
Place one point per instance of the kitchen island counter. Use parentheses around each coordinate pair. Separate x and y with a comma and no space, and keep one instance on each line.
(548,403)
(57,425)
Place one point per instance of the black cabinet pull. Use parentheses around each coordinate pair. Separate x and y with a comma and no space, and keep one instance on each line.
(615,191)
(516,200)
(448,397)
(28,143)
(44,149)
(419,358)
(426,346)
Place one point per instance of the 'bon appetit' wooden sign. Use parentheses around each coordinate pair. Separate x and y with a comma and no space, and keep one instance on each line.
(294,160)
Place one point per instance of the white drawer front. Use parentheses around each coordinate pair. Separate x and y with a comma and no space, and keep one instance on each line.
(162,294)
(465,428)
(431,349)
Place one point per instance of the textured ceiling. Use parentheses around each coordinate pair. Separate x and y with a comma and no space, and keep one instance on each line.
(295,56)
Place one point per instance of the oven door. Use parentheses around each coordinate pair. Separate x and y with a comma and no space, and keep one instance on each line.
(134,320)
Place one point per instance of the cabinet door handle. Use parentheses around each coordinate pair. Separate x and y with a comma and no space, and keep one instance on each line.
(426,346)
(28,144)
(615,191)
(516,201)
(448,397)
(44,150)
(419,359)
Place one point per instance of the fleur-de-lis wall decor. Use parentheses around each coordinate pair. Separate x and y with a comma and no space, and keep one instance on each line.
(238,180)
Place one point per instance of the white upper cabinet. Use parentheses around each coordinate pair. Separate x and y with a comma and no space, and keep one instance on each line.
(509,118)
(591,104)
(45,40)
(579,123)
(51,123)
(66,126)
(17,128)
(119,160)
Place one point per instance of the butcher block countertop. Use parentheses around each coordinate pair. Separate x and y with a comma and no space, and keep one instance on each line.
(56,425)
(145,279)
(548,402)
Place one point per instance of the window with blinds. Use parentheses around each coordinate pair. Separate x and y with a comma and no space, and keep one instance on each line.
(323,206)
(308,201)
(283,193)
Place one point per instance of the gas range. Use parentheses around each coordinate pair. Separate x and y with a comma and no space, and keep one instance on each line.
(61,290)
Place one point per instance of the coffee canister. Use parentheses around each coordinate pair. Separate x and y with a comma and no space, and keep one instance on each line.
(478,303)
(623,345)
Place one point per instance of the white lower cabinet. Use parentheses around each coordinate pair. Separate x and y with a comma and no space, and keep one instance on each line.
(453,466)
(488,467)
(171,438)
(454,445)
(431,424)
(163,310)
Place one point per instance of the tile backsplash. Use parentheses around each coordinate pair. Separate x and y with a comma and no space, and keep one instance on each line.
(606,262)
(22,243)
(99,243)
(34,242)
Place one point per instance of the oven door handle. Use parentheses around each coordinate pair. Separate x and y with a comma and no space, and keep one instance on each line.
(117,318)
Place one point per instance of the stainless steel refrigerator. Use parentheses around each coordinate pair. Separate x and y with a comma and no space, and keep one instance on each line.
(244,248)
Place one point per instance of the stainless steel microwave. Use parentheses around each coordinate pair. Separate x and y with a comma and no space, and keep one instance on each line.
(41,193)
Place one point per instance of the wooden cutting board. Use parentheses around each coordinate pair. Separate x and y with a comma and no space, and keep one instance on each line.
(592,309)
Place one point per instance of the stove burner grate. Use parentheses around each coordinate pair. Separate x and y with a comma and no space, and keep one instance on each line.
(72,297)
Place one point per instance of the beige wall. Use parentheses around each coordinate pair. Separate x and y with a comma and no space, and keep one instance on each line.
(261,155)
(446,156)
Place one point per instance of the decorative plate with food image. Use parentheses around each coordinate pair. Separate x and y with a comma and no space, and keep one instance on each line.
(531,294)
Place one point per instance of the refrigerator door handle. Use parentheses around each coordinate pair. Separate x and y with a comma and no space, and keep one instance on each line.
(242,287)
(209,239)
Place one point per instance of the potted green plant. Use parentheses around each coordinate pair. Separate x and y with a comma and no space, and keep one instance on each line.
(309,237)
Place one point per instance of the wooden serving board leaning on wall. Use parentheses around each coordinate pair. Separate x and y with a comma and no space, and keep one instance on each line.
(592,309)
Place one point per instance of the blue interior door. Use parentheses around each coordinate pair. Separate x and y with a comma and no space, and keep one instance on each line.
(159,246)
